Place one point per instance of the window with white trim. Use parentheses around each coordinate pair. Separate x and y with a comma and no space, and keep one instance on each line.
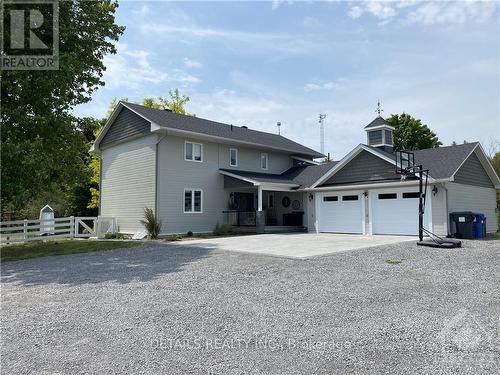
(263,160)
(193,200)
(233,157)
(193,151)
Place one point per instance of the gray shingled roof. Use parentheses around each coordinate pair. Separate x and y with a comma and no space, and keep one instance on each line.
(177,121)
(302,176)
(377,122)
(442,162)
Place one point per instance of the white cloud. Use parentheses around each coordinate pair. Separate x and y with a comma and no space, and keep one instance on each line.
(132,69)
(452,12)
(380,10)
(142,11)
(208,32)
(315,86)
(260,41)
(192,64)
(427,13)
(355,12)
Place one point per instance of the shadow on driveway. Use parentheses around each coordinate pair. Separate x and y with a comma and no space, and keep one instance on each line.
(120,266)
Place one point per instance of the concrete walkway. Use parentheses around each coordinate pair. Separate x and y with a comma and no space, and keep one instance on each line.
(299,245)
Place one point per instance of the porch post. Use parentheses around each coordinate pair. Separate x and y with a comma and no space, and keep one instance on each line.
(260,219)
(259,198)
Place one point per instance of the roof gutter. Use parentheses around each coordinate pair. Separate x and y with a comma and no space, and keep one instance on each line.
(368,186)
(260,183)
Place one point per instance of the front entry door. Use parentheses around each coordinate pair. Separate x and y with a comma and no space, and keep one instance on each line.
(244,201)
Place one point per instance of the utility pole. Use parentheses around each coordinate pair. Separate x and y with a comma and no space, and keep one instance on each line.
(322,117)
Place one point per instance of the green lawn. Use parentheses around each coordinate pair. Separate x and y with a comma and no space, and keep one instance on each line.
(38,249)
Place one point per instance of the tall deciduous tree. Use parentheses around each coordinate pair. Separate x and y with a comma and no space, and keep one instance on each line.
(176,103)
(411,134)
(42,147)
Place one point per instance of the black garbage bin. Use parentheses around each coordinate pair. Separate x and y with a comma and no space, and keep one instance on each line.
(462,224)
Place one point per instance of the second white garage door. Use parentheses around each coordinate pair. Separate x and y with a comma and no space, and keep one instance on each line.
(340,212)
(394,212)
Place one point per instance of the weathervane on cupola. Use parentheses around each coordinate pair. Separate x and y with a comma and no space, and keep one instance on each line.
(378,110)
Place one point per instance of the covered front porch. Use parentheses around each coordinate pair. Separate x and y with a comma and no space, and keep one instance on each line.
(264,206)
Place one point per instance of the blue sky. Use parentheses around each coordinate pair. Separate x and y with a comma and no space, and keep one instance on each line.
(256,63)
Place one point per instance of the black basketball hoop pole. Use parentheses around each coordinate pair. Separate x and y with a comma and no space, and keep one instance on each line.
(405,166)
(420,205)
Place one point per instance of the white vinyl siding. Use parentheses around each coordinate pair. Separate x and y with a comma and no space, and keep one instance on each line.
(233,157)
(439,213)
(476,199)
(264,160)
(249,159)
(193,151)
(128,182)
(175,175)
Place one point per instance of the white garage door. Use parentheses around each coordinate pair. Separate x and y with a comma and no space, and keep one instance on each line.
(340,213)
(394,212)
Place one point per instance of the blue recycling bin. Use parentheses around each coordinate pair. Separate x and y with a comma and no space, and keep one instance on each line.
(479,225)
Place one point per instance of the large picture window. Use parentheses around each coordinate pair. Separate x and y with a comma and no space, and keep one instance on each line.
(193,151)
(193,200)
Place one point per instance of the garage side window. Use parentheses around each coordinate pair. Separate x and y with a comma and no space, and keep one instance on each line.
(388,196)
(411,195)
(350,197)
(330,199)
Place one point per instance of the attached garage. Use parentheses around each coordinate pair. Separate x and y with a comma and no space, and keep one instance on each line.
(365,192)
(340,212)
(389,211)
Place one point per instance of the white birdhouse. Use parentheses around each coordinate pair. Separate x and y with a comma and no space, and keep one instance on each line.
(47,221)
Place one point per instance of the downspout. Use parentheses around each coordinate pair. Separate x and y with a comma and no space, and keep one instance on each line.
(157,167)
(447,220)
(99,209)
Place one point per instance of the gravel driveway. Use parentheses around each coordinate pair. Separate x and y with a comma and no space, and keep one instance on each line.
(168,309)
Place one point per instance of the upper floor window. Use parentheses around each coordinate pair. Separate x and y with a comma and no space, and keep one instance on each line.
(263,161)
(193,151)
(233,157)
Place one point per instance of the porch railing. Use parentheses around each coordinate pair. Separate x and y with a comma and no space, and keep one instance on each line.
(240,218)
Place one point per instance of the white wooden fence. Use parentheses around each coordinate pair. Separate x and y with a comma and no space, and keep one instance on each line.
(62,227)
